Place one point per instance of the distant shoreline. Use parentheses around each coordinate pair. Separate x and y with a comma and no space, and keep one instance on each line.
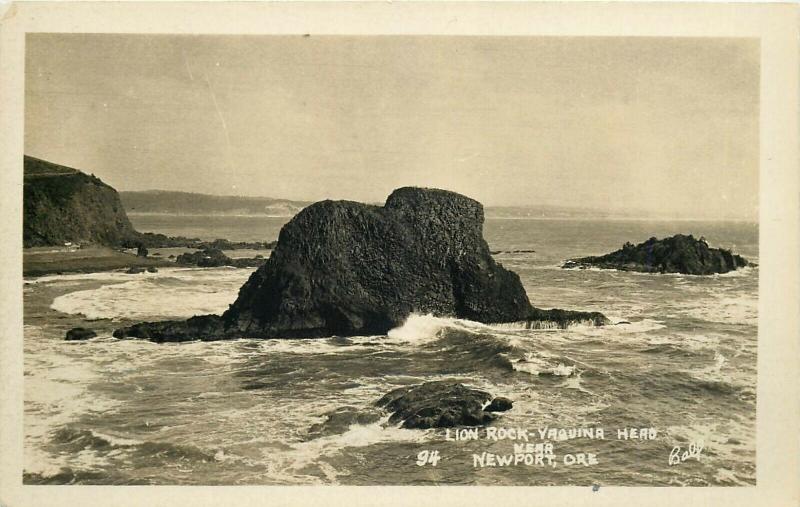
(490,217)
(630,219)
(201,215)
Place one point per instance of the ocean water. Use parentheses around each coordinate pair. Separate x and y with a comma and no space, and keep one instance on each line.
(288,411)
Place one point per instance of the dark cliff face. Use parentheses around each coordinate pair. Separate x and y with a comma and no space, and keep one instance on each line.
(348,268)
(677,254)
(62,204)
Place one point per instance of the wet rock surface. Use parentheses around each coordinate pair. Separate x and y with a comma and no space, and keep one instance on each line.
(79,333)
(438,405)
(499,404)
(200,327)
(341,419)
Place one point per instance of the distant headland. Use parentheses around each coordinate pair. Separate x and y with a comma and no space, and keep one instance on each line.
(74,222)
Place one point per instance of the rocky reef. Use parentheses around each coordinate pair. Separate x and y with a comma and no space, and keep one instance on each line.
(213,257)
(677,254)
(441,405)
(158,240)
(346,268)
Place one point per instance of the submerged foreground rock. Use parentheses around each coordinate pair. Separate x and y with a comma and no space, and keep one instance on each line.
(346,268)
(441,405)
(79,333)
(677,254)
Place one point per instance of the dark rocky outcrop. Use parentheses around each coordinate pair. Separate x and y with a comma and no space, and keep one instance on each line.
(200,327)
(499,404)
(676,254)
(557,318)
(224,244)
(79,333)
(438,405)
(135,270)
(213,257)
(63,205)
(346,268)
(158,240)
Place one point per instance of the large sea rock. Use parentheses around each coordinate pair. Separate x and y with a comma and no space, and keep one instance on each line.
(346,268)
(676,254)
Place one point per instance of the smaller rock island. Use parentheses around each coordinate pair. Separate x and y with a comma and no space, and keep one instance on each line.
(677,254)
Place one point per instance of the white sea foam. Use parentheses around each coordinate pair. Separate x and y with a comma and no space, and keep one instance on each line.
(619,332)
(307,453)
(563,370)
(425,328)
(538,363)
(713,372)
(419,328)
(575,382)
(715,436)
(117,441)
(693,342)
(56,394)
(175,293)
(537,325)
(318,345)
(531,365)
(111,276)
(725,307)
(739,273)
(729,476)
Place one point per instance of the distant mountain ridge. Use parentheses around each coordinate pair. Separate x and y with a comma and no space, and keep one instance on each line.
(187,203)
(168,202)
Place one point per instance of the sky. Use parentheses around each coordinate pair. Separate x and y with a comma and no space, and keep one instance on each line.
(655,126)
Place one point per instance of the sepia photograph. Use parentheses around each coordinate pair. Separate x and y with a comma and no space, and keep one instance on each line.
(241,268)
(423,259)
